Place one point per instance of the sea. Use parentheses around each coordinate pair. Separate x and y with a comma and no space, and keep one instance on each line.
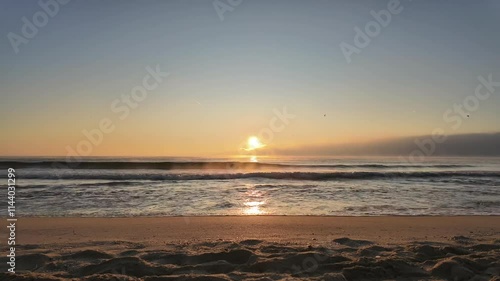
(254,185)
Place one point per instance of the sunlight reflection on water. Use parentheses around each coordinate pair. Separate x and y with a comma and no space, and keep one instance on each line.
(253,208)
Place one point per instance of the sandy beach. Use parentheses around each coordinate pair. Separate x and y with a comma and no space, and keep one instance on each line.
(257,247)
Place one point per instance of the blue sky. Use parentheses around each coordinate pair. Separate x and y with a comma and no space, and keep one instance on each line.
(228,76)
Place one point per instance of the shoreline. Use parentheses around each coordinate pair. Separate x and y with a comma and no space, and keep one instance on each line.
(296,228)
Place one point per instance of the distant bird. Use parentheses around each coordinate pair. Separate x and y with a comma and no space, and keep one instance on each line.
(468,115)
(324,115)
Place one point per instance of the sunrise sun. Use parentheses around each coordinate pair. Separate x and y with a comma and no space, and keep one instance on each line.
(254,143)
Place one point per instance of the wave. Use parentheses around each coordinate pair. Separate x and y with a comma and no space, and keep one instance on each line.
(315,176)
(201,165)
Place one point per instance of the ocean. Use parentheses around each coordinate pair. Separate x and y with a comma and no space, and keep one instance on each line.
(124,187)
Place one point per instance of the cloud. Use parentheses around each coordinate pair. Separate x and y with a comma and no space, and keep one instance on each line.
(455,145)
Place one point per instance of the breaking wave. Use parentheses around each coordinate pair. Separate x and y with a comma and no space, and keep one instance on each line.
(201,165)
(317,176)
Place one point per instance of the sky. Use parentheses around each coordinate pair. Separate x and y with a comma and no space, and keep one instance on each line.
(271,69)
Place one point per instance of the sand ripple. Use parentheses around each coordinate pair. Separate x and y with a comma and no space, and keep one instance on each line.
(341,259)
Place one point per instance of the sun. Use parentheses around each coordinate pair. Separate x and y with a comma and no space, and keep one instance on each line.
(254,143)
